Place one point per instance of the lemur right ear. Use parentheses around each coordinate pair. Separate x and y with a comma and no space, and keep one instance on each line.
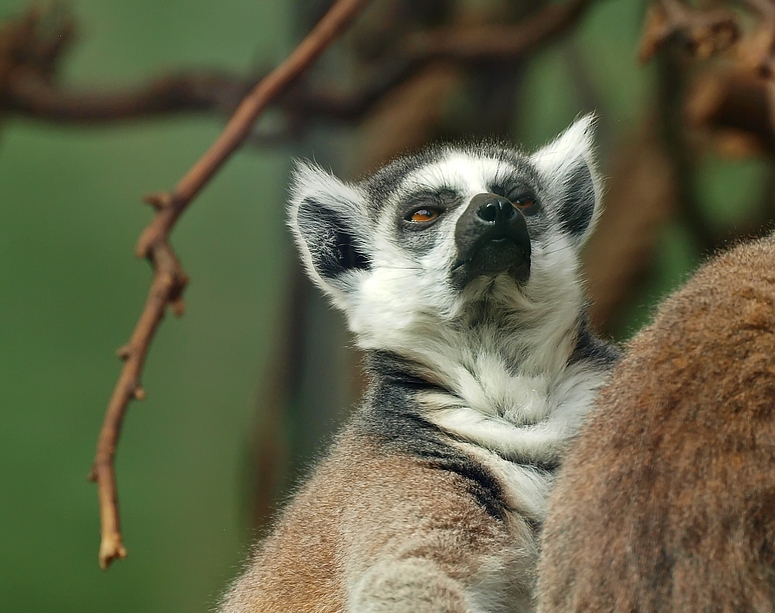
(327,219)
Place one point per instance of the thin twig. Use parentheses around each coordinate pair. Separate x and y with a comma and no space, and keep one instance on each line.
(169,279)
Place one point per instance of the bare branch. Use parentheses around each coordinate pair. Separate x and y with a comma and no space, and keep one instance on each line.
(168,283)
(169,280)
(28,88)
(29,95)
(33,44)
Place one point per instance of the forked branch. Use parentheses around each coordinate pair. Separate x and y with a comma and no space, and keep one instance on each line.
(169,280)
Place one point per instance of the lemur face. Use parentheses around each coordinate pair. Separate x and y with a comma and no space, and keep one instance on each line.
(431,237)
(469,212)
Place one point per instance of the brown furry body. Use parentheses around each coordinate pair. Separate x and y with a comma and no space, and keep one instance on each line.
(667,500)
(349,527)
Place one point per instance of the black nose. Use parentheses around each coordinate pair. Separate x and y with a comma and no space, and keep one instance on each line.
(495,209)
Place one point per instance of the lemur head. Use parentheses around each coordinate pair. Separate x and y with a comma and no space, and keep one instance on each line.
(450,237)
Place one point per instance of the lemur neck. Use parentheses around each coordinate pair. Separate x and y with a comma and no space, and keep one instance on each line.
(458,359)
(510,345)
(489,379)
(517,415)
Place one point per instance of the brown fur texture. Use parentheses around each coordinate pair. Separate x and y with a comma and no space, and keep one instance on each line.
(666,501)
(348,534)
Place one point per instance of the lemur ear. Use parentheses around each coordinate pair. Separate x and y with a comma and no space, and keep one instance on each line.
(567,166)
(326,217)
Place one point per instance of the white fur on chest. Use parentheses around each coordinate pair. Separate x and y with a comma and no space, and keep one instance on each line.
(497,419)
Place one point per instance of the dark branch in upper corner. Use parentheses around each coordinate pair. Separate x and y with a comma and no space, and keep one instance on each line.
(31,96)
(735,104)
(32,47)
(494,42)
(27,87)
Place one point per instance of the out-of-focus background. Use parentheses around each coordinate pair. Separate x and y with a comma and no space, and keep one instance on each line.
(244,390)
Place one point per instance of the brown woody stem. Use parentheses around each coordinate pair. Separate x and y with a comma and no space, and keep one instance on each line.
(169,280)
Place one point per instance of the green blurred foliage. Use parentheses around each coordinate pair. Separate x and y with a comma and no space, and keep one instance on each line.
(70,213)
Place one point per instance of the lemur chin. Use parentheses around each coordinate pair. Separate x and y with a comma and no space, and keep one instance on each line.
(458,271)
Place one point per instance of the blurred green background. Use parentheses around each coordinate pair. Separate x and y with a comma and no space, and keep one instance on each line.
(71,291)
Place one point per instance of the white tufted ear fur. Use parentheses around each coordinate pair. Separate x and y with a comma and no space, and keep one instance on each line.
(331,228)
(567,166)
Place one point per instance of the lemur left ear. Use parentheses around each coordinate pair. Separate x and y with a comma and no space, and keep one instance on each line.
(327,219)
(567,166)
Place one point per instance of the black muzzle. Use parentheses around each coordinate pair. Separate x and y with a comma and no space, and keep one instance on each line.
(491,237)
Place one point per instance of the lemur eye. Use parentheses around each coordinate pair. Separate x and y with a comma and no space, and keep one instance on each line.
(526,204)
(422,215)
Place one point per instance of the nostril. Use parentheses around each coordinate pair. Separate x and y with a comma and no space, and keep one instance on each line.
(506,210)
(488,211)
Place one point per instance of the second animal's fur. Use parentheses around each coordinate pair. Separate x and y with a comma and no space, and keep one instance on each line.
(457,269)
(666,502)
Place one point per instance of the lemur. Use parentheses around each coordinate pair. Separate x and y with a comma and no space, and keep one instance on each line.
(458,271)
(666,501)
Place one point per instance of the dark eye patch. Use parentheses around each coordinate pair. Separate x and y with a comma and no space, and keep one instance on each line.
(420,238)
(433,201)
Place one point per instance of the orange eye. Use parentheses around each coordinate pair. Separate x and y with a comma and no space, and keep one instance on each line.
(524,203)
(423,215)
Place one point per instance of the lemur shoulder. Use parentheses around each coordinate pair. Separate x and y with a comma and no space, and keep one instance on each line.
(666,501)
(458,271)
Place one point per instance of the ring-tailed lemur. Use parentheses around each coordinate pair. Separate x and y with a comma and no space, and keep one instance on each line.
(666,500)
(457,269)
